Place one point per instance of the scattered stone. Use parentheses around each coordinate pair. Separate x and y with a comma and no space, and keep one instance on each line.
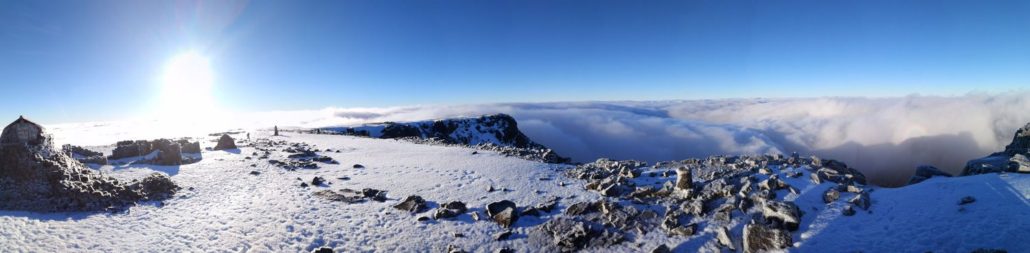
(580,208)
(302,184)
(761,238)
(503,212)
(323,250)
(225,142)
(966,200)
(317,181)
(450,210)
(345,178)
(831,195)
(373,194)
(861,200)
(413,204)
(848,210)
(423,218)
(359,166)
(254,172)
(455,249)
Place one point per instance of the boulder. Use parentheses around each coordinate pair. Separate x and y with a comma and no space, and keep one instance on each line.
(413,204)
(925,172)
(169,153)
(861,200)
(1012,159)
(225,142)
(503,212)
(784,212)
(830,195)
(723,237)
(450,210)
(762,238)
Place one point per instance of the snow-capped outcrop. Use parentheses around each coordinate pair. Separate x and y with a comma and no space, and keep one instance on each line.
(35,176)
(497,129)
(497,132)
(1012,159)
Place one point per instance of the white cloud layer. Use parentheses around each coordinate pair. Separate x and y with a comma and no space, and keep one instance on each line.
(885,138)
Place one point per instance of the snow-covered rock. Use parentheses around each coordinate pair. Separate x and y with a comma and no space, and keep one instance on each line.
(1012,159)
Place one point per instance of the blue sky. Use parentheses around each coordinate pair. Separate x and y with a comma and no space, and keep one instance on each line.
(65,61)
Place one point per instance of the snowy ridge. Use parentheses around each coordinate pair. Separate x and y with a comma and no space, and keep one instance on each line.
(497,129)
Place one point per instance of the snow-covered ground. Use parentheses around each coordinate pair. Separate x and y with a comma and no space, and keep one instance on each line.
(224,208)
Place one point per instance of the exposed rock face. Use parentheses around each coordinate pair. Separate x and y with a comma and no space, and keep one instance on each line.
(684,180)
(1012,159)
(761,238)
(35,176)
(170,153)
(926,172)
(225,142)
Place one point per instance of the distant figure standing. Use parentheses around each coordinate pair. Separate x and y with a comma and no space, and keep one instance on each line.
(276,130)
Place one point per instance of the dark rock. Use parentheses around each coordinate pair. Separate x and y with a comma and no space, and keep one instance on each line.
(506,250)
(503,212)
(450,210)
(303,184)
(374,194)
(225,142)
(254,172)
(966,200)
(848,210)
(359,166)
(455,249)
(861,200)
(925,172)
(423,218)
(323,250)
(317,181)
(761,238)
(661,249)
(413,204)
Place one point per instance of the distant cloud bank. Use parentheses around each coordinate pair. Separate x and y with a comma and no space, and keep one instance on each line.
(885,138)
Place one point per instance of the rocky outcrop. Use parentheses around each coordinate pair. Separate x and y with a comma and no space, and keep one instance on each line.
(1012,159)
(498,132)
(413,204)
(84,155)
(35,176)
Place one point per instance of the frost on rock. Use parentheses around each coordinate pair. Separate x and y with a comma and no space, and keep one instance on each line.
(34,176)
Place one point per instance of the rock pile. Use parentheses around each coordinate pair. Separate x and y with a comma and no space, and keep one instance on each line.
(168,152)
(35,176)
(719,189)
(84,155)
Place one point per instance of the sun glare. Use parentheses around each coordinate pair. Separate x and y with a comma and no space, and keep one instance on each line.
(186,95)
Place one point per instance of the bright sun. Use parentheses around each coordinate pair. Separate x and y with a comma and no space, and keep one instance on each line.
(186,85)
